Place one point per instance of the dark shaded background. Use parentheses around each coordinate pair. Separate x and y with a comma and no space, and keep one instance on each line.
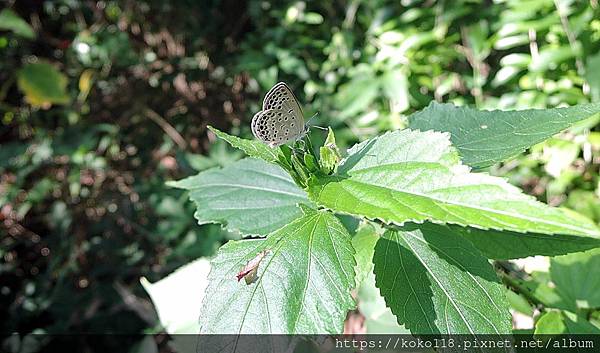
(84,208)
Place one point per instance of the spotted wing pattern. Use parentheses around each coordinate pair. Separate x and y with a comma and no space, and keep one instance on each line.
(281,119)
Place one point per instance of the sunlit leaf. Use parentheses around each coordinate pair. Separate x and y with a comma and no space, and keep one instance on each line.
(436,282)
(253,148)
(496,244)
(487,137)
(303,284)
(411,176)
(250,196)
(42,84)
(364,242)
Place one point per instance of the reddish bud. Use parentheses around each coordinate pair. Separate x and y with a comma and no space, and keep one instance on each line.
(248,273)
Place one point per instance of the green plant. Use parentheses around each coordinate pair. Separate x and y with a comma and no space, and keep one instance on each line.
(437,224)
(83,164)
(565,287)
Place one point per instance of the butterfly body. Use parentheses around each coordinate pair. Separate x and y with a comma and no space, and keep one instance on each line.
(281,119)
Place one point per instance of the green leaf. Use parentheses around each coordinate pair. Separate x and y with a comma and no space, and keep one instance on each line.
(411,176)
(577,278)
(10,21)
(563,322)
(592,75)
(364,243)
(487,137)
(436,282)
(550,323)
(585,202)
(502,245)
(379,319)
(538,287)
(579,325)
(303,284)
(42,84)
(519,303)
(249,196)
(252,148)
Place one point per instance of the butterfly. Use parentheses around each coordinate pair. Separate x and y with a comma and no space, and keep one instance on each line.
(281,119)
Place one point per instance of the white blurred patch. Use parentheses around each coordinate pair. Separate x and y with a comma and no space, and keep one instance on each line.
(521,321)
(82,48)
(533,263)
(178,297)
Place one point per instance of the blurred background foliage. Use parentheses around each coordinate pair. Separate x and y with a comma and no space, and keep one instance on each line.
(101,102)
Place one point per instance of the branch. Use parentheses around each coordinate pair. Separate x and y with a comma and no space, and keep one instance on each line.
(168,128)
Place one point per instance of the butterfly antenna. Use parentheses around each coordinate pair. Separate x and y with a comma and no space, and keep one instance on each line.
(312,117)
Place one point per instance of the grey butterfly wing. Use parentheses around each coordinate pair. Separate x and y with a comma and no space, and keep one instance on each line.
(276,127)
(281,97)
(281,119)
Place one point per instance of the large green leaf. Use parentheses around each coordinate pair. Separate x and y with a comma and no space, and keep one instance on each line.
(412,176)
(502,245)
(437,282)
(303,283)
(252,148)
(487,137)
(577,278)
(10,21)
(250,196)
(42,84)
